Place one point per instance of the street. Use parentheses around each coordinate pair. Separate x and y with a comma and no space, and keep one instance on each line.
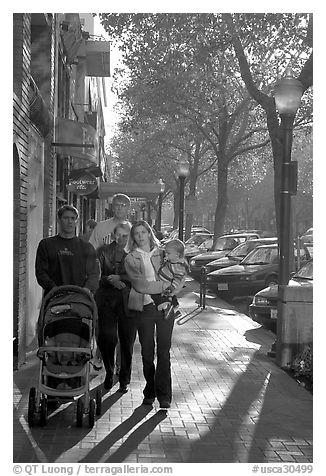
(231,403)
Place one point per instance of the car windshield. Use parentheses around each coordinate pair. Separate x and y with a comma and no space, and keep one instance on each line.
(310,249)
(226,243)
(207,244)
(306,272)
(196,240)
(261,255)
(242,250)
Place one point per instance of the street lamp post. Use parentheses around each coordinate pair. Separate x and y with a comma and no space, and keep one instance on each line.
(183,172)
(288,92)
(158,220)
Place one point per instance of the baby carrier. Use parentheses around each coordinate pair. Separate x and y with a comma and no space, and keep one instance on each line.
(66,328)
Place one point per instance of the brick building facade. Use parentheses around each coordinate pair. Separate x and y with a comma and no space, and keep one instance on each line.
(48,50)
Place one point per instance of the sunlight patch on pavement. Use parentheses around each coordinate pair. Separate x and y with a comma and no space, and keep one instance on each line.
(17,396)
(41,458)
(251,419)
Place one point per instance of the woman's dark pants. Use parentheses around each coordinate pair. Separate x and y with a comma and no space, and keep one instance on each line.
(112,322)
(158,379)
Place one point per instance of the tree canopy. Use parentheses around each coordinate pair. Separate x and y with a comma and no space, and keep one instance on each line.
(199,87)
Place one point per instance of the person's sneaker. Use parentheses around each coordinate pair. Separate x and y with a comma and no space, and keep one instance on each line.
(148,401)
(164,405)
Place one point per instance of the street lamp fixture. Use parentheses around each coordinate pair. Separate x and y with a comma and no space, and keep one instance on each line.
(288,92)
(183,172)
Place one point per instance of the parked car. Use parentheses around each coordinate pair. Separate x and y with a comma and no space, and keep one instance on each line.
(310,248)
(193,243)
(166,229)
(202,248)
(263,308)
(223,245)
(308,236)
(237,254)
(195,230)
(256,271)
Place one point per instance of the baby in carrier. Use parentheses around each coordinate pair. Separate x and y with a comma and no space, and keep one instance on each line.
(173,270)
(62,357)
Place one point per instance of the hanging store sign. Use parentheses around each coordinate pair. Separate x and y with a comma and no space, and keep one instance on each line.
(76,139)
(82,185)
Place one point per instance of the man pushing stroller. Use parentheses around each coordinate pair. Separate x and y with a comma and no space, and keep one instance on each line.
(66,259)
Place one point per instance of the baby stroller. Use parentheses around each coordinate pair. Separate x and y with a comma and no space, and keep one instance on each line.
(66,328)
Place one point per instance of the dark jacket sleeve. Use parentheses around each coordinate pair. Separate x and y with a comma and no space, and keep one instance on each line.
(92,269)
(42,267)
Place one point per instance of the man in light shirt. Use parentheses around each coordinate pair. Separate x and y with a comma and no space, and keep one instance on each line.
(104,229)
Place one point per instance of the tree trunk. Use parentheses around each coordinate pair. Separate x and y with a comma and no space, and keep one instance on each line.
(176,208)
(222,199)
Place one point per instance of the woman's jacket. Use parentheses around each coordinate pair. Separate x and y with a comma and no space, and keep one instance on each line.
(135,269)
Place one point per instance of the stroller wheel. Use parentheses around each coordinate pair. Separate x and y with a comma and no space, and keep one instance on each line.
(31,406)
(80,412)
(43,411)
(98,401)
(91,412)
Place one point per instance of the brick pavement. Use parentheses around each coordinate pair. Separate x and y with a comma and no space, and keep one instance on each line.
(231,403)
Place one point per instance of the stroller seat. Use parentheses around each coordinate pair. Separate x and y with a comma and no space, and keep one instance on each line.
(65,360)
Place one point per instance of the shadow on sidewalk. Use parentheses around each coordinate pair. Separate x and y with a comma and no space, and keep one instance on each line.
(101,449)
(133,440)
(263,409)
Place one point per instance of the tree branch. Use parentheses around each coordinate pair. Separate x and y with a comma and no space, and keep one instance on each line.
(254,92)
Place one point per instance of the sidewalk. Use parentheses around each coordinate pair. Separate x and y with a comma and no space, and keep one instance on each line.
(231,403)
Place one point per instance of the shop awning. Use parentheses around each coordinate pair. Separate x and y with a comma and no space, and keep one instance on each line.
(150,191)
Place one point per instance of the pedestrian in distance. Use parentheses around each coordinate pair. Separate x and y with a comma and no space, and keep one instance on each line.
(173,271)
(102,234)
(65,259)
(112,299)
(142,264)
(90,225)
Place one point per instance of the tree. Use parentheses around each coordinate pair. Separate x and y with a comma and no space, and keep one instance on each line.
(182,68)
(290,39)
(187,78)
